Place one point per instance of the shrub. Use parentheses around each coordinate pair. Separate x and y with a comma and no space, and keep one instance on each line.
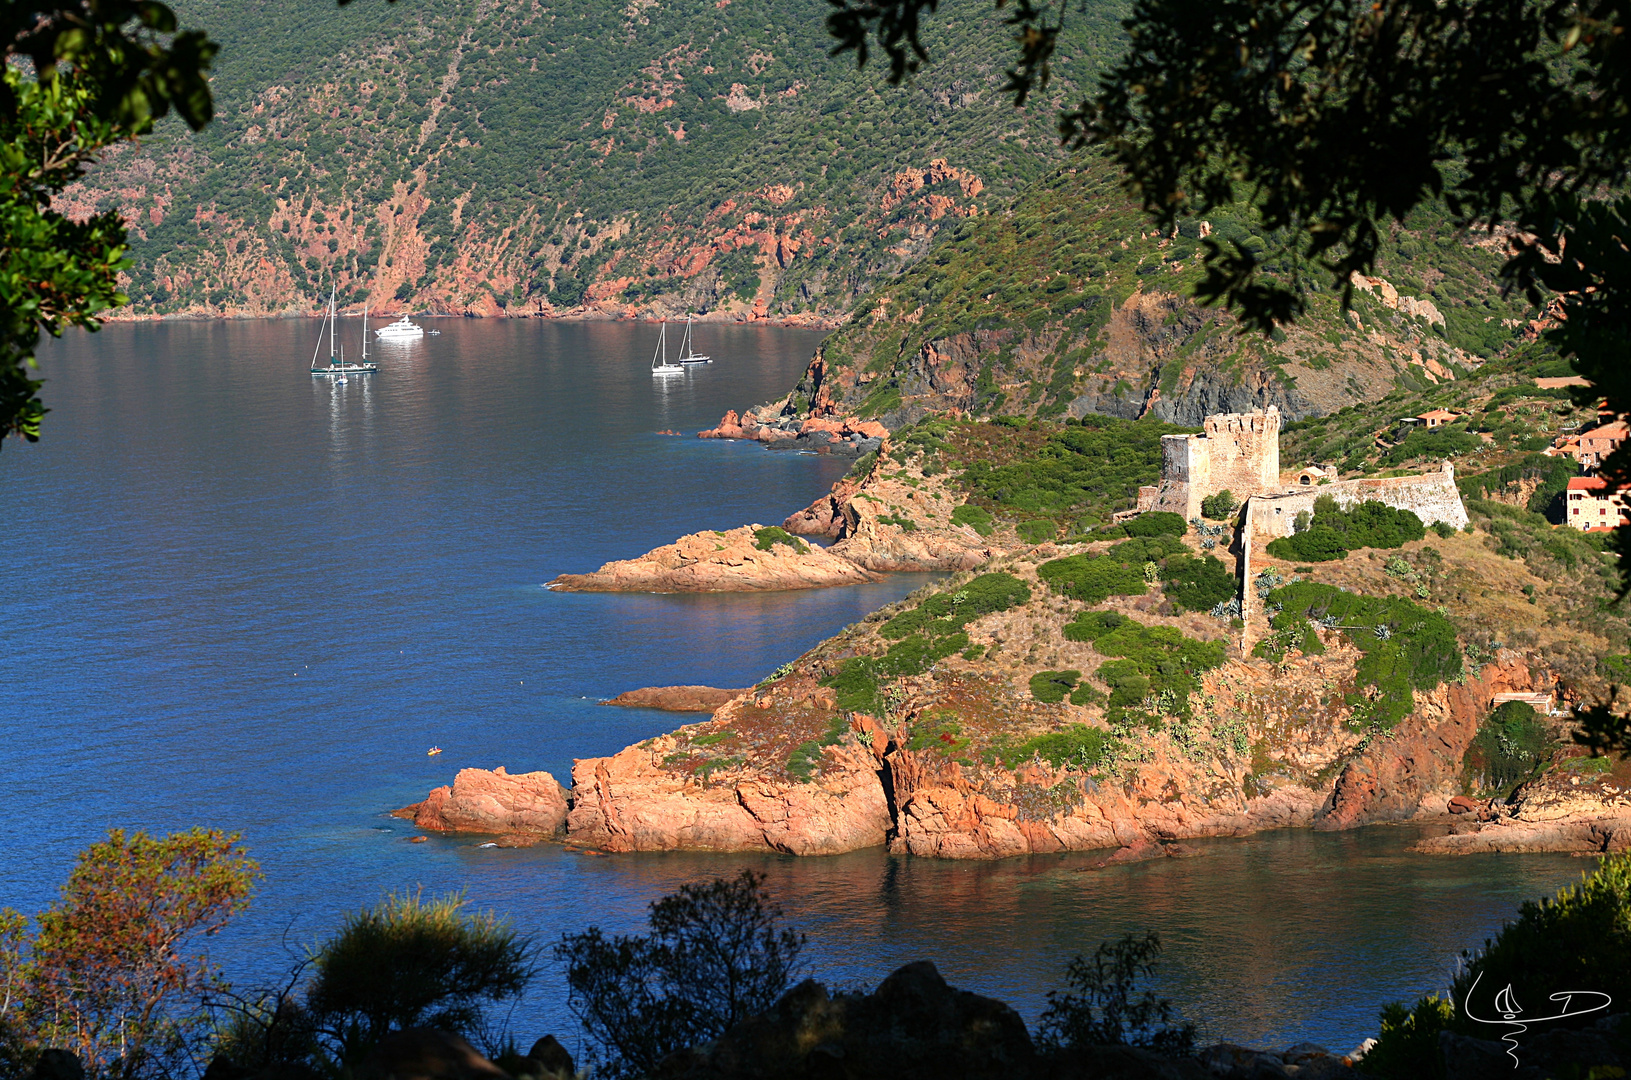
(1335,532)
(768,537)
(1511,746)
(1078,745)
(1197,584)
(1438,443)
(1156,523)
(1037,530)
(715,956)
(1407,1046)
(974,517)
(806,756)
(1052,686)
(1219,507)
(410,963)
(1151,660)
(1099,1006)
(1579,940)
(1093,578)
(1405,646)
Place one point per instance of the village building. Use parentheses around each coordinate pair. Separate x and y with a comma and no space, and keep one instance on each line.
(1591,504)
(1590,448)
(1428,420)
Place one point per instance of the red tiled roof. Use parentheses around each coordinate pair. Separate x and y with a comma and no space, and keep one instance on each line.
(1586,483)
(1616,430)
(1437,414)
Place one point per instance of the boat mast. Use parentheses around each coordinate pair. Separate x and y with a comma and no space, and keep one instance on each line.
(365,331)
(332,322)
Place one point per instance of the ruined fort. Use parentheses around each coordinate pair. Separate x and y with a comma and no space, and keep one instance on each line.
(1240,453)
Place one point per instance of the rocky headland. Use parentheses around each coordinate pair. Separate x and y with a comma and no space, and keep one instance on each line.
(930,729)
(886,516)
(749,558)
(674,698)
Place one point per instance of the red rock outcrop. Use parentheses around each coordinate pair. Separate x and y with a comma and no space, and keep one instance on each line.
(675,698)
(730,561)
(628,802)
(1421,762)
(524,805)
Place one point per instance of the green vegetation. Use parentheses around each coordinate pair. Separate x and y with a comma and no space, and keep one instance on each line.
(1157,667)
(1407,1045)
(975,517)
(1512,746)
(1406,647)
(1436,444)
(1099,1006)
(924,635)
(1335,532)
(1221,506)
(1197,584)
(905,524)
(409,963)
(1578,940)
(1077,473)
(1052,686)
(802,762)
(1078,746)
(1117,572)
(1154,523)
(768,537)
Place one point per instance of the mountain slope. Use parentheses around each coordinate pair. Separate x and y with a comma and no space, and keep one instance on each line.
(516,157)
(1067,301)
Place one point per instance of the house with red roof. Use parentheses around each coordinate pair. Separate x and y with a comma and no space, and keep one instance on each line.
(1591,504)
(1595,445)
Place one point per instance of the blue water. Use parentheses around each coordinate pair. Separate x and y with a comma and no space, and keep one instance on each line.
(240,597)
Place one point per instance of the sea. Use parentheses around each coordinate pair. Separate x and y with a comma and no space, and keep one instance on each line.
(241,597)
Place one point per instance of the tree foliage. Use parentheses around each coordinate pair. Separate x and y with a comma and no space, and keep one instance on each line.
(111,972)
(715,956)
(99,73)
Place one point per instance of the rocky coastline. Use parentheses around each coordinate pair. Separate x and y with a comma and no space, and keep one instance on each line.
(703,699)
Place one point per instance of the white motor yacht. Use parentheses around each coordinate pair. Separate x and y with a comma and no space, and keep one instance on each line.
(402,328)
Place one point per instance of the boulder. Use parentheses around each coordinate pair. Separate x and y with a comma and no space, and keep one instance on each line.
(426,1054)
(913,1027)
(525,805)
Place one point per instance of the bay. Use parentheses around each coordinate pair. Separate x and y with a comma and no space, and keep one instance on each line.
(241,597)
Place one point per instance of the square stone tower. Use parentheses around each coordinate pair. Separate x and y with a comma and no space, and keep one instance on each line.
(1238,452)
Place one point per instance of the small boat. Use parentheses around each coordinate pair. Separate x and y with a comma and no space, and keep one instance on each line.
(401,330)
(338,369)
(659,359)
(688,355)
(433,751)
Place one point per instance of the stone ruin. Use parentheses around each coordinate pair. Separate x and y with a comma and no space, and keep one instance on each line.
(1240,453)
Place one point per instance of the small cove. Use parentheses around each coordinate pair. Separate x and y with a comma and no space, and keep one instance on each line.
(244,598)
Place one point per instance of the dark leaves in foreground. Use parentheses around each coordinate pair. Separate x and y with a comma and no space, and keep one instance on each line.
(1100,1006)
(715,957)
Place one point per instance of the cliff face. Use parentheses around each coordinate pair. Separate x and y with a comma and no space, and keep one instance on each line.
(577,158)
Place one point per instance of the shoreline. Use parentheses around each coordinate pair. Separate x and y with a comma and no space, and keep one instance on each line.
(795,321)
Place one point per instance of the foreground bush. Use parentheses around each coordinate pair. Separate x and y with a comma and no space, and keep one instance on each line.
(1511,746)
(1100,1006)
(715,957)
(1579,940)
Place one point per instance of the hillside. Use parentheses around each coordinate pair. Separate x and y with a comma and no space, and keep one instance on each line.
(653,157)
(1066,301)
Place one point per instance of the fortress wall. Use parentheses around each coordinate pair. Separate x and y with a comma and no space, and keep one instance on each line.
(1433,497)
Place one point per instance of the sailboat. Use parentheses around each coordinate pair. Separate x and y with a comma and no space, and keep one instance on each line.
(339,368)
(687,354)
(659,359)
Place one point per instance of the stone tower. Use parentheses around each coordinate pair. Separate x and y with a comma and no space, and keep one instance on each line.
(1239,452)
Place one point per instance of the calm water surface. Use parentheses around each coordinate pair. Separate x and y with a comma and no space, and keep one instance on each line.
(237,596)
